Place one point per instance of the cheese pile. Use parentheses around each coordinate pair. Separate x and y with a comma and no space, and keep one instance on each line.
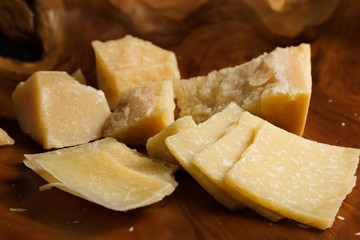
(238,134)
(241,159)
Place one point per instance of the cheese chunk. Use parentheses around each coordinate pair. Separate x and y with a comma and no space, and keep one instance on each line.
(105,172)
(124,63)
(185,145)
(217,159)
(57,111)
(155,145)
(142,113)
(297,178)
(5,139)
(275,86)
(79,76)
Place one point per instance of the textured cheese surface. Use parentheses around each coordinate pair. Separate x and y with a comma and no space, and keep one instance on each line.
(105,172)
(124,63)
(155,145)
(57,111)
(185,145)
(295,177)
(142,112)
(5,139)
(217,159)
(275,86)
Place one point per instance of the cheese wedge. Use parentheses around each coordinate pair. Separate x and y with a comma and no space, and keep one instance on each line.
(217,159)
(142,113)
(124,63)
(275,86)
(155,145)
(185,145)
(297,178)
(5,139)
(105,172)
(57,111)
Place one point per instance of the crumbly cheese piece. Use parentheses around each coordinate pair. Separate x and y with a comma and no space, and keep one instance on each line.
(275,86)
(217,159)
(155,145)
(142,113)
(124,63)
(105,172)
(5,139)
(57,111)
(185,145)
(297,178)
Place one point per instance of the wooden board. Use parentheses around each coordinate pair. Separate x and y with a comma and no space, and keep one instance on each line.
(205,36)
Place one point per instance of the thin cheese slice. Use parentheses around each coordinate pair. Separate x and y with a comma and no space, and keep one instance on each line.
(155,145)
(142,112)
(5,139)
(216,160)
(122,182)
(275,86)
(297,178)
(187,144)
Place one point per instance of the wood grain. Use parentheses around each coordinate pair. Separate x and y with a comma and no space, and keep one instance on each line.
(205,35)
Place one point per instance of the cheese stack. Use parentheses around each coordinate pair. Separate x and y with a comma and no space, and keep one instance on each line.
(274,172)
(105,172)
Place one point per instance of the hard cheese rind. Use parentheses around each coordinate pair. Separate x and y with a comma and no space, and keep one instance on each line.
(105,172)
(275,86)
(142,112)
(295,177)
(185,145)
(124,63)
(57,111)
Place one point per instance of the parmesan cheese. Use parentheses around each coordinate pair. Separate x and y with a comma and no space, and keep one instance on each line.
(105,172)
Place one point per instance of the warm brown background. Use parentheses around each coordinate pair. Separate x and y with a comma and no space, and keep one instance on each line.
(205,35)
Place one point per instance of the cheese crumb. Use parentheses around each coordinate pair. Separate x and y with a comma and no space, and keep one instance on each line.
(357,234)
(343,124)
(340,218)
(330,100)
(17,209)
(131,229)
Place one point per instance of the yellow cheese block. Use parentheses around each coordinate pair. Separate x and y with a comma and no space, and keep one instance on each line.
(185,145)
(57,111)
(275,86)
(124,63)
(297,178)
(142,113)
(217,159)
(5,139)
(155,145)
(105,172)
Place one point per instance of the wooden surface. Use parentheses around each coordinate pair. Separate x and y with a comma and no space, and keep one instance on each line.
(205,35)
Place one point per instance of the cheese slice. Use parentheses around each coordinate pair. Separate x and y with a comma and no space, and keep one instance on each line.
(105,172)
(297,178)
(155,145)
(57,111)
(124,63)
(275,86)
(185,145)
(217,159)
(5,139)
(142,112)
